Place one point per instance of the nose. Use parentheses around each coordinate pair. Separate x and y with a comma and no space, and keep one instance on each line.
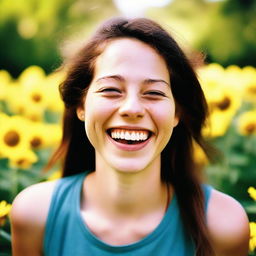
(132,107)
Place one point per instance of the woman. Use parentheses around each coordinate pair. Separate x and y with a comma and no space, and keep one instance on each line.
(133,108)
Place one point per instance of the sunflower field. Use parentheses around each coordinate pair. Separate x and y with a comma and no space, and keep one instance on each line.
(30,129)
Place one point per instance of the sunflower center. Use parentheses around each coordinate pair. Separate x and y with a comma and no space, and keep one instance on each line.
(252,90)
(11,138)
(36,97)
(21,161)
(35,142)
(224,104)
(250,128)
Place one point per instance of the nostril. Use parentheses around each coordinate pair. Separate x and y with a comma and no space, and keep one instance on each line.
(132,115)
(132,112)
(132,107)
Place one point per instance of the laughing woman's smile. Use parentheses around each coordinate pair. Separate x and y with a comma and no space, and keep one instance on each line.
(129,108)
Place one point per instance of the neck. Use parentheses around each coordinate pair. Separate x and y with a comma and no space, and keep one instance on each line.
(126,194)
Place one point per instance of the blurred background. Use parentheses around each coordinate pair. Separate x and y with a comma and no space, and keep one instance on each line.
(36,35)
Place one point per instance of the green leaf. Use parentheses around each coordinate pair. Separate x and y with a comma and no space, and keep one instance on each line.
(5,235)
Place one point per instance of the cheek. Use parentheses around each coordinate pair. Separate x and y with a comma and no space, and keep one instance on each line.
(93,107)
(164,115)
(97,112)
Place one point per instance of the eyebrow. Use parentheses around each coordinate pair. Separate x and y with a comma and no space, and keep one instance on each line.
(152,81)
(121,79)
(115,77)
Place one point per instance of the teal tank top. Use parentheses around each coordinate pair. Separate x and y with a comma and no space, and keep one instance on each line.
(66,233)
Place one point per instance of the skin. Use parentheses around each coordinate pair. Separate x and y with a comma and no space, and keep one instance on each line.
(121,95)
(125,189)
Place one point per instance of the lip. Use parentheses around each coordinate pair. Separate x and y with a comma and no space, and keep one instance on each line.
(135,128)
(129,147)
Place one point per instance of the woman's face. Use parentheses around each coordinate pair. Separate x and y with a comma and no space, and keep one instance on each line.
(129,108)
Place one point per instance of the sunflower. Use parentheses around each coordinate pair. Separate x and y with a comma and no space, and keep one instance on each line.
(14,136)
(217,125)
(252,192)
(233,77)
(211,77)
(223,105)
(252,244)
(247,123)
(54,102)
(34,100)
(44,135)
(13,98)
(213,71)
(249,89)
(18,89)
(54,134)
(3,119)
(30,90)
(23,159)
(199,155)
(31,76)
(54,176)
(37,135)
(222,96)
(5,79)
(4,211)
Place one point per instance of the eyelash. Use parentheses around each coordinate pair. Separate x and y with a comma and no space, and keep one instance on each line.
(110,89)
(156,93)
(116,90)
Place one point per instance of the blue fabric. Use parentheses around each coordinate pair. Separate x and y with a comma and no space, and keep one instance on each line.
(66,233)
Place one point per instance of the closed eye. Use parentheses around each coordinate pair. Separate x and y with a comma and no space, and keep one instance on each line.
(109,91)
(155,93)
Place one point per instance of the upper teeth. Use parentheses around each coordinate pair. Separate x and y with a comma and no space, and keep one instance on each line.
(129,135)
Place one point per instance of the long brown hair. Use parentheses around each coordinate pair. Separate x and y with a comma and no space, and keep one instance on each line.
(177,162)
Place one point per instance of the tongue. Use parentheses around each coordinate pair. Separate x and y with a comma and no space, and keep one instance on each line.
(128,141)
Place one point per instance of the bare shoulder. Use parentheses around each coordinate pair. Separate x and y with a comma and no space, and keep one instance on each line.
(228,225)
(28,217)
(32,203)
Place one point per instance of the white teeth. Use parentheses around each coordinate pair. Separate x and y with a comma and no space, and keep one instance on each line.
(129,135)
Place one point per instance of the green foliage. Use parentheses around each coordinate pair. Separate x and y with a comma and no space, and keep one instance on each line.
(231,37)
(223,30)
(237,169)
(32,31)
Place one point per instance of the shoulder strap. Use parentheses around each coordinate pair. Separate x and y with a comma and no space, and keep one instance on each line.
(207,189)
(63,199)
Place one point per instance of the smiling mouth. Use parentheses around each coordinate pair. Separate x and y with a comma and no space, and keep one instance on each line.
(125,136)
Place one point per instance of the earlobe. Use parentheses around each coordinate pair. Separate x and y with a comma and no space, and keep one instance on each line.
(176,121)
(80,113)
(177,115)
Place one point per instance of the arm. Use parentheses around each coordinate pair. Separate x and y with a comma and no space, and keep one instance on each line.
(28,218)
(228,226)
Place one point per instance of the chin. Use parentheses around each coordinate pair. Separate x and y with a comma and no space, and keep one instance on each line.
(129,166)
(129,170)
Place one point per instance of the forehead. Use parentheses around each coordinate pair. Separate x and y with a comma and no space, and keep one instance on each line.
(129,55)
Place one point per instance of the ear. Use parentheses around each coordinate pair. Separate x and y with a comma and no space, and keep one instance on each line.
(177,115)
(176,120)
(80,113)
